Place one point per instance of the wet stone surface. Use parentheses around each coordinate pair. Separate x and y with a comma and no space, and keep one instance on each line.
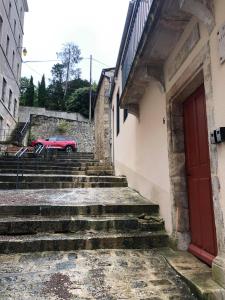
(86,275)
(72,196)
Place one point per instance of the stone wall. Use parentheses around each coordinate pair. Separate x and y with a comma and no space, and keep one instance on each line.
(82,132)
(26,111)
(102,118)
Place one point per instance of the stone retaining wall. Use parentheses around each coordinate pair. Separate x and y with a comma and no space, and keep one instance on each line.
(26,111)
(82,132)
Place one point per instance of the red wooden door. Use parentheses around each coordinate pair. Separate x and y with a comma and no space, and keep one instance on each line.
(202,225)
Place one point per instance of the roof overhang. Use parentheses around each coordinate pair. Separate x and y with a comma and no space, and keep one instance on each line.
(165,25)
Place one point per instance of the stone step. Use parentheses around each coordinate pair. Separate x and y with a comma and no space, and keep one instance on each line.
(55,159)
(60,185)
(57,171)
(53,163)
(81,210)
(40,224)
(61,178)
(88,241)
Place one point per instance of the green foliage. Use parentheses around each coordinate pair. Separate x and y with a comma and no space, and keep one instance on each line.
(29,94)
(24,83)
(76,84)
(58,73)
(61,93)
(63,127)
(42,92)
(79,101)
(31,138)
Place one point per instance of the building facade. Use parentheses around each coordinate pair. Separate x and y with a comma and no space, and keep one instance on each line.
(102,116)
(11,38)
(170,77)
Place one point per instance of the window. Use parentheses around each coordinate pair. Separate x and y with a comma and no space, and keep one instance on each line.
(14,27)
(1,128)
(125,114)
(7,46)
(1,26)
(13,59)
(15,108)
(10,99)
(21,13)
(19,40)
(117,113)
(3,89)
(10,9)
(61,138)
(17,71)
(52,139)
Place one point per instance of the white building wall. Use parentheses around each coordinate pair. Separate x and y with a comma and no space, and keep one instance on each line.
(141,151)
(11,16)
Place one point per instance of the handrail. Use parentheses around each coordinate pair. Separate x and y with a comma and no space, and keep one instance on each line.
(21,153)
(24,127)
(18,152)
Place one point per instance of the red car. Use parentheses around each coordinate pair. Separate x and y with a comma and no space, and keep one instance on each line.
(56,142)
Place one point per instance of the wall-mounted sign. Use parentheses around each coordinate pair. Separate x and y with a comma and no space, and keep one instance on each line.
(221,36)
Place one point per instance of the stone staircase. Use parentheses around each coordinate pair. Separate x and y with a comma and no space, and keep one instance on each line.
(56,210)
(95,219)
(58,171)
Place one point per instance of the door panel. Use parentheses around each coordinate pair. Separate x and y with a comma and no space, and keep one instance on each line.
(202,225)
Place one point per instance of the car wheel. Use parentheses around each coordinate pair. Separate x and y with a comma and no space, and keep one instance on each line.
(69,149)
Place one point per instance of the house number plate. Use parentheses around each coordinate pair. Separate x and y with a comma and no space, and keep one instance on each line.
(221,36)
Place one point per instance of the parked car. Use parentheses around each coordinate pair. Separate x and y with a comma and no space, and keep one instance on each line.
(56,142)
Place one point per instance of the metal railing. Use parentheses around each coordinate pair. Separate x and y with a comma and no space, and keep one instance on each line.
(141,10)
(20,164)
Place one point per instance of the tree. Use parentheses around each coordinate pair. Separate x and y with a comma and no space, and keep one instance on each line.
(76,84)
(55,89)
(79,101)
(58,72)
(42,92)
(29,94)
(70,57)
(55,96)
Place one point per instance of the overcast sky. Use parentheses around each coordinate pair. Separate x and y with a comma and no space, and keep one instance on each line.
(96,26)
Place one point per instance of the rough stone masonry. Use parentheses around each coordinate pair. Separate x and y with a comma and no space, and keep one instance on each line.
(82,132)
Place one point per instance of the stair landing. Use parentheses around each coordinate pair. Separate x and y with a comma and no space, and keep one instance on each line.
(76,197)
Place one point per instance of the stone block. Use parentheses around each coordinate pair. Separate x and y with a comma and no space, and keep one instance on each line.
(179,184)
(181,199)
(182,220)
(177,165)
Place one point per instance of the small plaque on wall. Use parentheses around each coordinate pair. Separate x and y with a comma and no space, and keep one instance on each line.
(221,36)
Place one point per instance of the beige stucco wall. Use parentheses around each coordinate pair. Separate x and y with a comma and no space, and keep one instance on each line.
(218,78)
(141,150)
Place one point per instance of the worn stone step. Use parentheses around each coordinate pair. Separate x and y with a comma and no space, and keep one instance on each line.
(88,241)
(53,164)
(106,166)
(56,171)
(40,224)
(61,178)
(46,171)
(55,159)
(75,210)
(60,185)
